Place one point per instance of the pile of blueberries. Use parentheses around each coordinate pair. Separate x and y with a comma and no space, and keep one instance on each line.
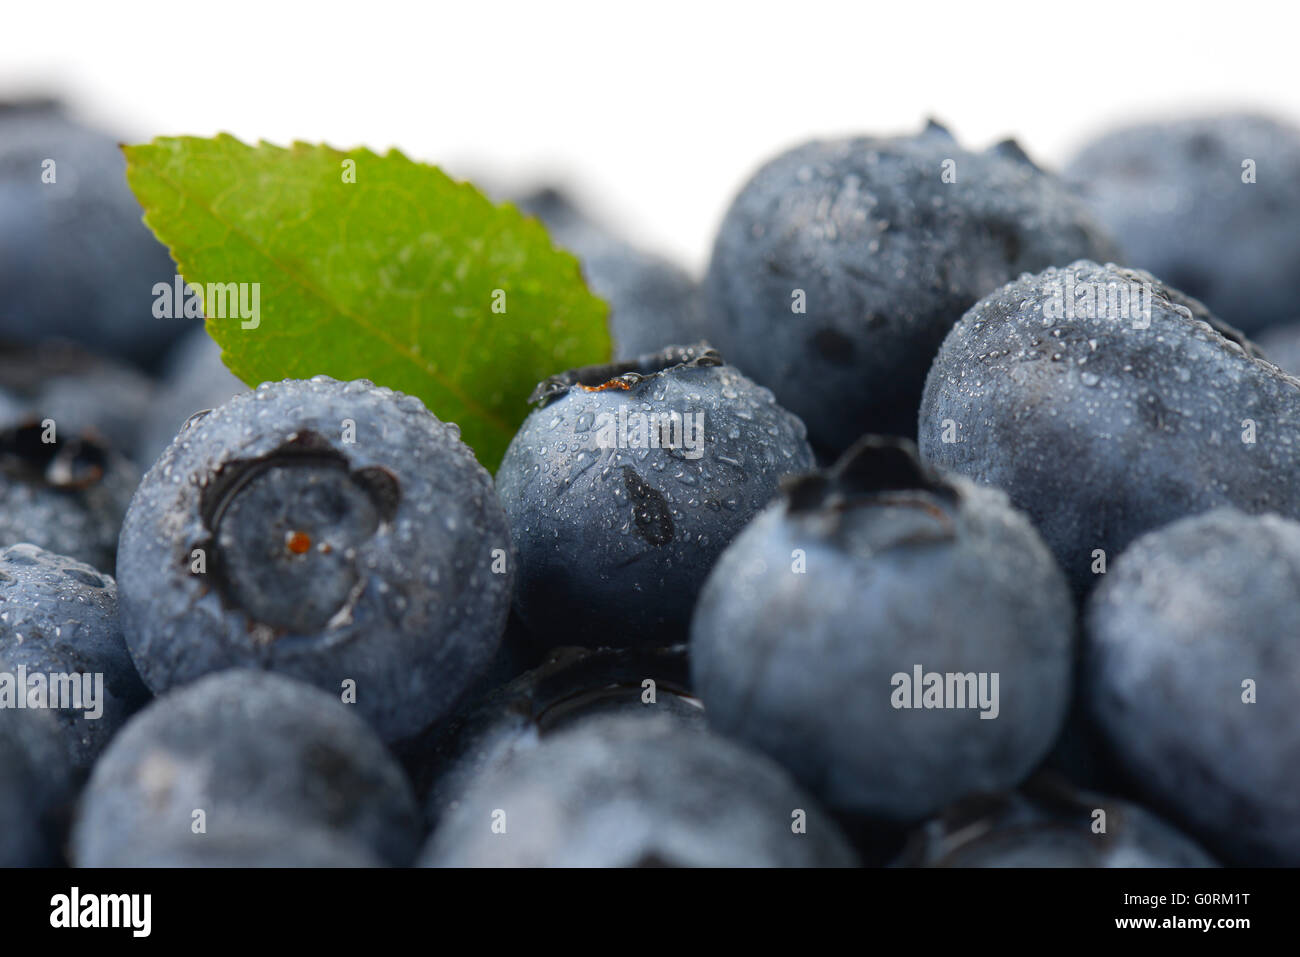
(945,522)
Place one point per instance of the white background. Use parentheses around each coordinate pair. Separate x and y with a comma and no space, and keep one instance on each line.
(653,112)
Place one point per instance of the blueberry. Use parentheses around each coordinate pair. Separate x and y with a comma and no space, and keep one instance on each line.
(1049,824)
(605,523)
(75,259)
(653,302)
(628,791)
(336,532)
(58,621)
(249,842)
(1176,196)
(247,749)
(63,490)
(842,263)
(37,786)
(1113,421)
(79,391)
(194,379)
(1193,663)
(823,630)
(574,683)
(1281,345)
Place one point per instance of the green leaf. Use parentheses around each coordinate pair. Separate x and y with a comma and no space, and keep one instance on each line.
(392,277)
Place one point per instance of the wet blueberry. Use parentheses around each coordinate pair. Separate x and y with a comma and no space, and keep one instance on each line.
(333,531)
(625,484)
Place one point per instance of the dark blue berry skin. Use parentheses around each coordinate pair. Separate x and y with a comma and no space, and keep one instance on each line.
(193,379)
(653,302)
(573,684)
(250,842)
(901,567)
(1188,614)
(614,543)
(1173,196)
(59,616)
(888,256)
(250,749)
(76,261)
(1049,824)
(84,394)
(1281,345)
(37,786)
(370,561)
(1101,431)
(636,792)
(67,496)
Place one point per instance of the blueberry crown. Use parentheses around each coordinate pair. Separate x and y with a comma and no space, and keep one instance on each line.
(875,466)
(70,464)
(628,374)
